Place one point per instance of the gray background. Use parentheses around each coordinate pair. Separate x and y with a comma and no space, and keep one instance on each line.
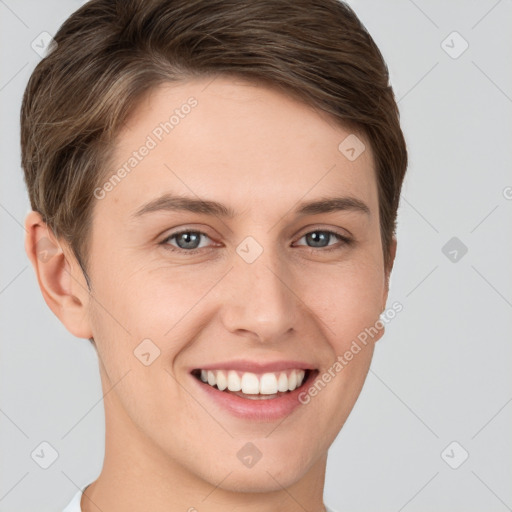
(442,372)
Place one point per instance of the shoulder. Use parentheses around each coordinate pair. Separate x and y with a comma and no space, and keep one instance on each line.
(327,509)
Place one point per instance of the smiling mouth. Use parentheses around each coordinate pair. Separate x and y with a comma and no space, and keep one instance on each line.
(255,386)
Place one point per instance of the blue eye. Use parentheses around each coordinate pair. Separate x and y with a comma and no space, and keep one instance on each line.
(321,236)
(189,241)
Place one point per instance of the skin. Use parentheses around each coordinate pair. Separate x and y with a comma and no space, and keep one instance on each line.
(261,153)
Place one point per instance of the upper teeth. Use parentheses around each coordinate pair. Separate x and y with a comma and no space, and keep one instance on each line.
(252,384)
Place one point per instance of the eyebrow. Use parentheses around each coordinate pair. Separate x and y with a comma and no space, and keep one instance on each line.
(169,202)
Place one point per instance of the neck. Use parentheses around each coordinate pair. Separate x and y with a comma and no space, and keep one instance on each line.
(138,475)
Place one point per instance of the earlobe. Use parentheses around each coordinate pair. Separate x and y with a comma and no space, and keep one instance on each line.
(59,275)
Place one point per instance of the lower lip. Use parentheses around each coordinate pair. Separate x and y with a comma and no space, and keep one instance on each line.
(270,409)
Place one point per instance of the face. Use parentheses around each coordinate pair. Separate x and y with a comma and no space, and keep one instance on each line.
(261,285)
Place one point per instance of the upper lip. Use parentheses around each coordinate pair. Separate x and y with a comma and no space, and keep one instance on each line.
(255,366)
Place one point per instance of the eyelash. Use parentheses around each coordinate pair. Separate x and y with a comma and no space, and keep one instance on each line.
(345,241)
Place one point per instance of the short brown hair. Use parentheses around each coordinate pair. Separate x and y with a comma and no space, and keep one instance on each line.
(109,53)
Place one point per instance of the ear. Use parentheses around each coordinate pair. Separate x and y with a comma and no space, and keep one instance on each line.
(59,275)
(392,254)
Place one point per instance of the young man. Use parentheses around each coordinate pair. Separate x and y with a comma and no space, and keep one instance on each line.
(214,188)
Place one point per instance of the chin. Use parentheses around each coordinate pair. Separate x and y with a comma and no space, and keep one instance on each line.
(263,477)
(259,482)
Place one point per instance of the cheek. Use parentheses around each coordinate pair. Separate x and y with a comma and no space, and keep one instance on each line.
(350,303)
(139,317)
(347,298)
(145,300)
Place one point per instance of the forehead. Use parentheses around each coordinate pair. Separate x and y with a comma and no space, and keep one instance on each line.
(238,142)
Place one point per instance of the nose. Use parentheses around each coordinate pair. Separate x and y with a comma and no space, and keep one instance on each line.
(259,298)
